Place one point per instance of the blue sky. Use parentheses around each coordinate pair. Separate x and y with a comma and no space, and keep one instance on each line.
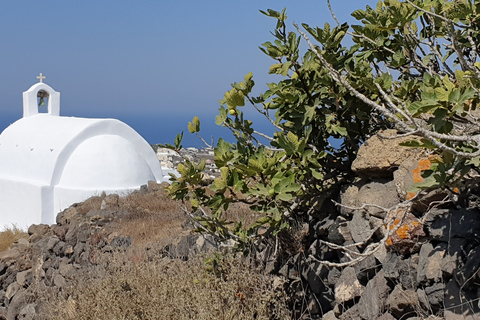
(153,64)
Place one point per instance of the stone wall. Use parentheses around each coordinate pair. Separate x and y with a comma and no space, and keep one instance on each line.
(417,259)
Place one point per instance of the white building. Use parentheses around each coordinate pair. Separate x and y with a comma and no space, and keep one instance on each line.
(48,162)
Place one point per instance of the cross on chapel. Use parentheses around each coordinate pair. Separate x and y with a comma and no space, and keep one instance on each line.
(41,77)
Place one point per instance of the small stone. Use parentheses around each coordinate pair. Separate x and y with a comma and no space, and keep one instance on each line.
(123,242)
(429,264)
(360,227)
(59,280)
(40,229)
(65,269)
(9,254)
(348,287)
(52,241)
(66,215)
(59,248)
(330,315)
(373,300)
(435,295)
(28,312)
(69,250)
(24,277)
(110,202)
(402,301)
(386,316)
(12,289)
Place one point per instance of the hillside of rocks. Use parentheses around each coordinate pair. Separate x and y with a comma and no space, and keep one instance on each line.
(349,265)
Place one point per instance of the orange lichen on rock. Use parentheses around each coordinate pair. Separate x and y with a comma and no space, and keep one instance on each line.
(402,232)
(409,230)
(423,164)
(410,195)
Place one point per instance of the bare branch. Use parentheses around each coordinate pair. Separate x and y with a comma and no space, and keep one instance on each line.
(209,146)
(265,113)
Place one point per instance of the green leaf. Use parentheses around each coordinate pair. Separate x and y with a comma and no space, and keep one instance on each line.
(220,119)
(178,140)
(317,175)
(234,98)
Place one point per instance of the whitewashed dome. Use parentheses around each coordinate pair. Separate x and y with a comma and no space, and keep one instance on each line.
(48,162)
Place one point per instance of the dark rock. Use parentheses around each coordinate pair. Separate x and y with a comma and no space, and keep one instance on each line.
(360,227)
(314,273)
(121,242)
(443,224)
(66,215)
(402,301)
(17,302)
(9,254)
(429,264)
(330,315)
(51,242)
(59,280)
(101,215)
(28,312)
(468,276)
(83,233)
(435,295)
(321,251)
(351,313)
(373,300)
(60,231)
(366,269)
(39,229)
(333,276)
(12,289)
(347,287)
(24,278)
(59,248)
(71,235)
(386,316)
(379,193)
(457,305)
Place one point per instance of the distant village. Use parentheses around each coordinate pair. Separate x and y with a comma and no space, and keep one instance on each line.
(170,159)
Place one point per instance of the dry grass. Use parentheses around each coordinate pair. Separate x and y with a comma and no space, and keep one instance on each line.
(241,212)
(152,217)
(173,289)
(11,235)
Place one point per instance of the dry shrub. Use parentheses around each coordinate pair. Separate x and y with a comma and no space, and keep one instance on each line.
(173,289)
(11,235)
(241,212)
(151,217)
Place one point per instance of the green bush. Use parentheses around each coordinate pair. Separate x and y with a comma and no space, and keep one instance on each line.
(409,65)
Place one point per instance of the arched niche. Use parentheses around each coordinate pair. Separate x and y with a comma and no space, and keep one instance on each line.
(30,102)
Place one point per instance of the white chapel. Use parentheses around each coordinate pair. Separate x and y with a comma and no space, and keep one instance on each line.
(48,162)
